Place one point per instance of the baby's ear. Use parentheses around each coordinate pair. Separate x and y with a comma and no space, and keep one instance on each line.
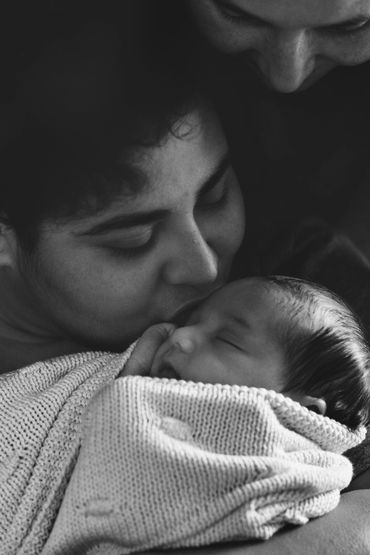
(315,404)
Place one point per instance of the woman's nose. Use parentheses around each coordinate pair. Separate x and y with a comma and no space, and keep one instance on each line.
(287,60)
(190,260)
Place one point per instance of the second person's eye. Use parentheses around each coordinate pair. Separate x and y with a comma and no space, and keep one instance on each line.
(235,14)
(356,25)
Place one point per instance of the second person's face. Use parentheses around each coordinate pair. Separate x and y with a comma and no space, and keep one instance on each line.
(291,43)
(104,278)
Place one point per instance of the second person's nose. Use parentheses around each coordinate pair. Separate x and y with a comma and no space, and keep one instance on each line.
(287,60)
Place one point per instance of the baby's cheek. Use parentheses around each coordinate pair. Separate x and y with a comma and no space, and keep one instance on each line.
(221,370)
(199,368)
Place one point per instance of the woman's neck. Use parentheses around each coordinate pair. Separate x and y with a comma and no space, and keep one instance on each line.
(26,335)
(16,354)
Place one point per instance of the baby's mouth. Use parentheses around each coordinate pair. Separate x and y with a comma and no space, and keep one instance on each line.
(167,371)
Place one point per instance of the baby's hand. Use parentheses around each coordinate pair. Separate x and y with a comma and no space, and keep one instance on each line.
(143,355)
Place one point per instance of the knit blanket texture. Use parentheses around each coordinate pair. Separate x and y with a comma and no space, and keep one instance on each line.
(42,407)
(167,464)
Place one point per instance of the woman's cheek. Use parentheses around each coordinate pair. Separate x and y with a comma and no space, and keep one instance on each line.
(235,222)
(225,230)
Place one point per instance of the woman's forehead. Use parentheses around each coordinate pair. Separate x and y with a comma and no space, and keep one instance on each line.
(156,181)
(302,13)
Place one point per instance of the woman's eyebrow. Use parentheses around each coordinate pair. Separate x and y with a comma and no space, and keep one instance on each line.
(145,217)
(124,221)
(216,175)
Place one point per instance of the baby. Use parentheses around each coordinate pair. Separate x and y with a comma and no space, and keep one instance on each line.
(167,463)
(278,333)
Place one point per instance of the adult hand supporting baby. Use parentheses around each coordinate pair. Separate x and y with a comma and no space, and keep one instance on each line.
(142,356)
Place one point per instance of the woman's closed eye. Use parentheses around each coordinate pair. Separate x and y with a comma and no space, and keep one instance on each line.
(131,242)
(214,198)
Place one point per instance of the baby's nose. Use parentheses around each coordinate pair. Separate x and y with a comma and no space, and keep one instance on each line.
(171,362)
(183,340)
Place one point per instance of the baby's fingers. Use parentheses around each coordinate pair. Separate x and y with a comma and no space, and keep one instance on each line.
(143,355)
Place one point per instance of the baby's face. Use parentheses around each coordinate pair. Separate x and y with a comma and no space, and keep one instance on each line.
(228,339)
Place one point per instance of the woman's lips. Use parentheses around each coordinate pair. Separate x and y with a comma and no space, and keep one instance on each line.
(181,315)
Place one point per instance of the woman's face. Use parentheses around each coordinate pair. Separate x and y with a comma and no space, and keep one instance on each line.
(290,43)
(104,278)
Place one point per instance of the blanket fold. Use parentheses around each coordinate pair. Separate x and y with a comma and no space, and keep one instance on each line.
(166,464)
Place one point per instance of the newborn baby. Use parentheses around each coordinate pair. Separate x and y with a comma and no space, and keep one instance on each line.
(278,333)
(168,463)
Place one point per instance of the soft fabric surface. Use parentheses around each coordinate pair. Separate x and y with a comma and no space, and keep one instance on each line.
(40,416)
(360,456)
(167,464)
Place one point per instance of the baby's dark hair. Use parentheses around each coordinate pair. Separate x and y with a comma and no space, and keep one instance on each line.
(326,351)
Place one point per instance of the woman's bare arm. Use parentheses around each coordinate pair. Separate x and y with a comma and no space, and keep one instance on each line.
(342,531)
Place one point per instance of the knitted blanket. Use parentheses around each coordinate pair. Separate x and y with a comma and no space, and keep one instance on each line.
(41,411)
(166,464)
